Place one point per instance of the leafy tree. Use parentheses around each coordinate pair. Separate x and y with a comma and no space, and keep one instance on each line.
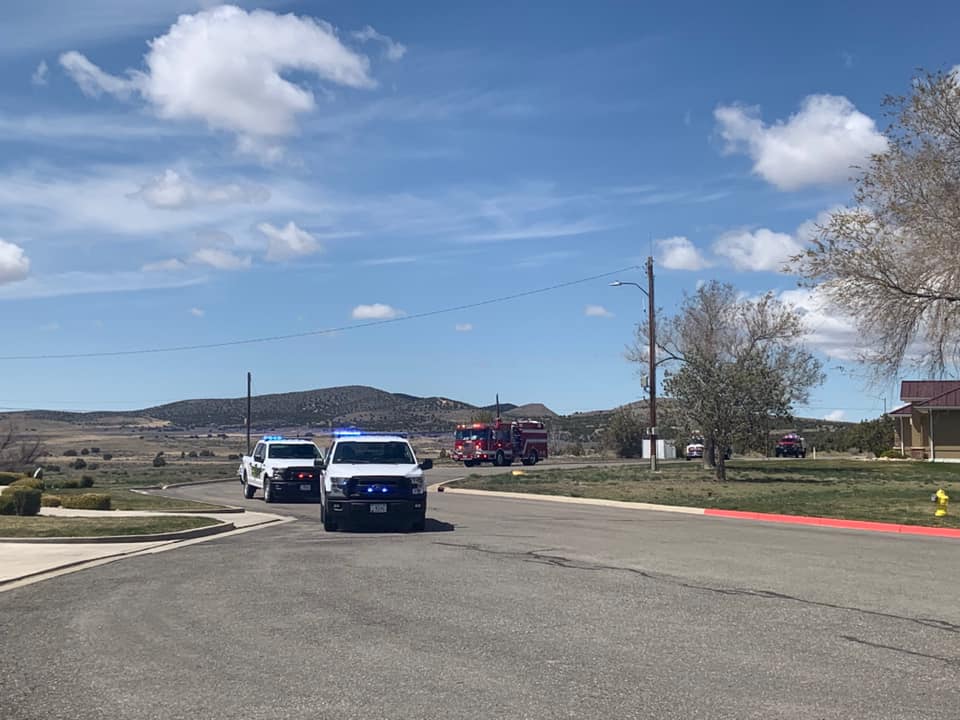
(732,364)
(890,262)
(624,433)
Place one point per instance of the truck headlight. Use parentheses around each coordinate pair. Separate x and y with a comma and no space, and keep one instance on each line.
(338,487)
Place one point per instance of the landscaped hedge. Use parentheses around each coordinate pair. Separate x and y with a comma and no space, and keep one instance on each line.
(6,478)
(35,483)
(86,501)
(20,501)
(50,500)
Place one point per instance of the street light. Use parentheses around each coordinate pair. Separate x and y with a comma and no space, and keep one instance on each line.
(651,314)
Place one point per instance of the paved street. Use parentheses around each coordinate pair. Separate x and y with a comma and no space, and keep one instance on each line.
(518,609)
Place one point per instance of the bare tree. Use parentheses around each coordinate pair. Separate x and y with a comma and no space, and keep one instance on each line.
(17,453)
(732,364)
(891,261)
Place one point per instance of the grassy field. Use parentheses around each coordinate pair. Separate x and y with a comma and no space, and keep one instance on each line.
(126,499)
(39,526)
(858,490)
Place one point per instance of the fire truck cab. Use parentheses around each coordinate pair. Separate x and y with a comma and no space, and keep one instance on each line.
(500,443)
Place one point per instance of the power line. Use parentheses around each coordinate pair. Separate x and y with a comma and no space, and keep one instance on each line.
(324,331)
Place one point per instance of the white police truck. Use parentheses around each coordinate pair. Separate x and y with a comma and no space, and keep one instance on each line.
(373,479)
(284,468)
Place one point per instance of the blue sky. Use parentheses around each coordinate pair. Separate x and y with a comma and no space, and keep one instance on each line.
(178,173)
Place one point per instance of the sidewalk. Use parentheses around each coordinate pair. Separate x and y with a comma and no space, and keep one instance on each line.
(23,560)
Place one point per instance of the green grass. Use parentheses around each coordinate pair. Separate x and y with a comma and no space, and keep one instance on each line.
(126,499)
(41,526)
(883,491)
(128,473)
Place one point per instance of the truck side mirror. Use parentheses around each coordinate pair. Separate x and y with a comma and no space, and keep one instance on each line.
(426,464)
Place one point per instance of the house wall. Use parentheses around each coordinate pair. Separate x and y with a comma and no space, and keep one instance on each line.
(918,436)
(946,434)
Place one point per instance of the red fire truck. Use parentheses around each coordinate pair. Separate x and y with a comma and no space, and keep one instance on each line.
(500,443)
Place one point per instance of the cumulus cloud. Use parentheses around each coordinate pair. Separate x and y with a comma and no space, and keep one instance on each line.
(288,242)
(377,311)
(817,145)
(827,330)
(224,66)
(39,76)
(463,327)
(393,50)
(757,250)
(678,253)
(14,263)
(174,191)
(597,311)
(197,312)
(220,259)
(835,416)
(171,265)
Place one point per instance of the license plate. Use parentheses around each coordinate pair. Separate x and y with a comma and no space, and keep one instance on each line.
(378,508)
(305,487)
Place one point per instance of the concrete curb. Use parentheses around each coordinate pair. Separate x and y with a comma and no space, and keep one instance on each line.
(578,501)
(154,537)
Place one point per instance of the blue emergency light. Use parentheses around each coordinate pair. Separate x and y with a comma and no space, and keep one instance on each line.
(270,438)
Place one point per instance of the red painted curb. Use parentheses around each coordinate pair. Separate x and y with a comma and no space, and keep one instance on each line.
(836,523)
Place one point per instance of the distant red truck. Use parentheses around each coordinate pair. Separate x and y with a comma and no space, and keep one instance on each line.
(501,443)
(791,445)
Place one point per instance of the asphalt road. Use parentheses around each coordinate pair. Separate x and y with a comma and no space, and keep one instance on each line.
(502,609)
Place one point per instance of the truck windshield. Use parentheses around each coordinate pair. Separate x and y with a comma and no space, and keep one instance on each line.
(381,453)
(293,451)
(473,434)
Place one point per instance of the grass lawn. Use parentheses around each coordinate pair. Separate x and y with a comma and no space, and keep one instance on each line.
(40,526)
(126,499)
(896,492)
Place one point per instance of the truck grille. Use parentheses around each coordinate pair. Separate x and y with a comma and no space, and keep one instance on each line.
(386,487)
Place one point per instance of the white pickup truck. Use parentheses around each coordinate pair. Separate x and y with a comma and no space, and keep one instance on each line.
(286,469)
(373,479)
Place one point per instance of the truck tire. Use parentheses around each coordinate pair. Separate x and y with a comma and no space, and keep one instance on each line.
(329,525)
(248,489)
(532,458)
(267,494)
(499,459)
(419,525)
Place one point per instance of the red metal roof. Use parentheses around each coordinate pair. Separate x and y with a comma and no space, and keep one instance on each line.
(951,398)
(906,410)
(922,390)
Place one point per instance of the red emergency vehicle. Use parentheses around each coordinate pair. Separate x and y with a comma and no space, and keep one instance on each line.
(500,442)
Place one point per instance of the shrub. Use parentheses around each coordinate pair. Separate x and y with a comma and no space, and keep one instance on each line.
(6,504)
(70,453)
(85,451)
(893,454)
(86,481)
(206,453)
(182,454)
(51,468)
(70,483)
(192,453)
(158,461)
(49,500)
(29,482)
(26,500)
(92,466)
(6,478)
(78,464)
(233,457)
(107,456)
(95,450)
(86,501)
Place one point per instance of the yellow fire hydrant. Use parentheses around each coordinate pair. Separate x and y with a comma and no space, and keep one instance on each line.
(942,499)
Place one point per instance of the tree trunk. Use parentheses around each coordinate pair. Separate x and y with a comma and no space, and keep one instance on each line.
(721,468)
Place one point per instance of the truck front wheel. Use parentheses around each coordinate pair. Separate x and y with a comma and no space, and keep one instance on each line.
(328,523)
(248,489)
(419,525)
(267,493)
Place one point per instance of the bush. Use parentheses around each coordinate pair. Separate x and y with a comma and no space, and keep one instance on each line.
(51,468)
(85,451)
(206,453)
(192,453)
(20,501)
(29,482)
(94,450)
(893,454)
(624,434)
(78,464)
(92,466)
(86,501)
(158,461)
(107,456)
(70,453)
(6,478)
(70,483)
(49,500)
(86,481)
(233,457)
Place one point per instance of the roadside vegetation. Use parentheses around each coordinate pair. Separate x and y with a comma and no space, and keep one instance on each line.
(20,527)
(884,491)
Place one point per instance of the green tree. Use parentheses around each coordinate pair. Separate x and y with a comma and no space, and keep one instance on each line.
(732,365)
(624,433)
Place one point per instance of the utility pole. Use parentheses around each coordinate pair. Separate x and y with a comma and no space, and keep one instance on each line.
(652,318)
(248,412)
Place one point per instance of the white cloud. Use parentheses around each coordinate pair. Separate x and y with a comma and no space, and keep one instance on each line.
(393,49)
(540,231)
(288,242)
(817,145)
(597,311)
(173,191)
(678,253)
(220,259)
(197,312)
(377,311)
(827,330)
(757,250)
(84,283)
(171,265)
(835,416)
(14,264)
(39,76)
(463,327)
(224,66)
